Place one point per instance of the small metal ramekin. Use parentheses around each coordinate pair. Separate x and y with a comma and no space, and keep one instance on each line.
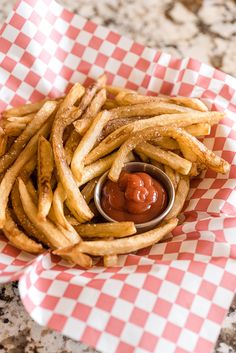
(157,174)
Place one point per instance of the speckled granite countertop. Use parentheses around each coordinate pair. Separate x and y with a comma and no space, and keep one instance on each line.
(205,30)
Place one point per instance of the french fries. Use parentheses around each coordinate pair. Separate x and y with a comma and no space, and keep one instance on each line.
(45,169)
(68,143)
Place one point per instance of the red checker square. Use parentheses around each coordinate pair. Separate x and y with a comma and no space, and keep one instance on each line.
(17,100)
(185,89)
(50,75)
(43,284)
(10,251)
(28,304)
(101,60)
(35,18)
(90,336)
(162,307)
(2,29)
(129,293)
(227,92)
(218,183)
(8,64)
(22,40)
(66,15)
(194,322)
(60,54)
(50,17)
(57,322)
(232,107)
(180,350)
(184,298)
(119,53)
(124,70)
(27,59)
(204,247)
(72,291)
(36,96)
(171,332)
(64,276)
(219,75)
(96,283)
(72,32)
(131,85)
(142,64)
(203,81)
(105,302)
(146,81)
(40,37)
(125,348)
(232,135)
(137,49)
(166,88)
(119,276)
(138,317)
(4,45)
(175,63)
(115,326)
(148,342)
(219,143)
(81,312)
(228,281)
(194,65)
(78,49)
(207,290)
(49,302)
(160,71)
(198,193)
(17,21)
(203,204)
(228,156)
(32,78)
(95,42)
(216,313)
(90,27)
(113,37)
(203,346)
(172,247)
(229,209)
(229,223)
(18,262)
(180,76)
(202,225)
(223,194)
(175,275)
(45,56)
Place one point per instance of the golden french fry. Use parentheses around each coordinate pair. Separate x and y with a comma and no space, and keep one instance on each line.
(18,238)
(87,142)
(123,245)
(25,109)
(92,111)
(20,119)
(110,260)
(157,164)
(45,169)
(101,166)
(166,143)
(127,98)
(14,129)
(40,118)
(113,125)
(3,144)
(203,154)
(171,174)
(115,139)
(106,230)
(114,90)
(71,145)
(110,104)
(88,191)
(72,220)
(169,158)
(13,172)
(75,201)
(200,129)
(59,198)
(142,156)
(180,197)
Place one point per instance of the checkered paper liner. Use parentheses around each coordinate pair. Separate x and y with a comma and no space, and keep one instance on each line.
(169,298)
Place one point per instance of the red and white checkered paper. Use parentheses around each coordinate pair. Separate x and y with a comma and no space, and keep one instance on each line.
(172,297)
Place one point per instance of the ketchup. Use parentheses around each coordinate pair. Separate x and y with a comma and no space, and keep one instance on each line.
(135,197)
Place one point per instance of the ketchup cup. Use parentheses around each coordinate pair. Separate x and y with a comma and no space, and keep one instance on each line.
(154,172)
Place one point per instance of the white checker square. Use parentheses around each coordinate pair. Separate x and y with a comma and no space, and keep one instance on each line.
(145,300)
(71,325)
(107,48)
(57,288)
(61,26)
(222,293)
(39,66)
(112,286)
(112,65)
(6,95)
(50,46)
(107,343)
(65,306)
(71,61)
(41,8)
(29,29)
(89,296)
(55,8)
(206,70)
(60,83)
(41,315)
(164,59)
(187,340)
(171,75)
(90,55)
(221,250)
(181,264)
(158,249)
(190,76)
(102,32)
(15,52)
(98,318)
(136,279)
(10,32)
(35,295)
(55,65)
(78,21)
(131,334)
(210,331)
(136,76)
(213,274)
(66,44)
(169,291)
(178,315)
(191,282)
(122,309)
(34,47)
(96,71)
(200,306)
(155,324)
(24,10)
(125,43)
(148,54)
(84,38)
(165,346)
(119,81)
(78,77)
(155,84)
(130,59)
